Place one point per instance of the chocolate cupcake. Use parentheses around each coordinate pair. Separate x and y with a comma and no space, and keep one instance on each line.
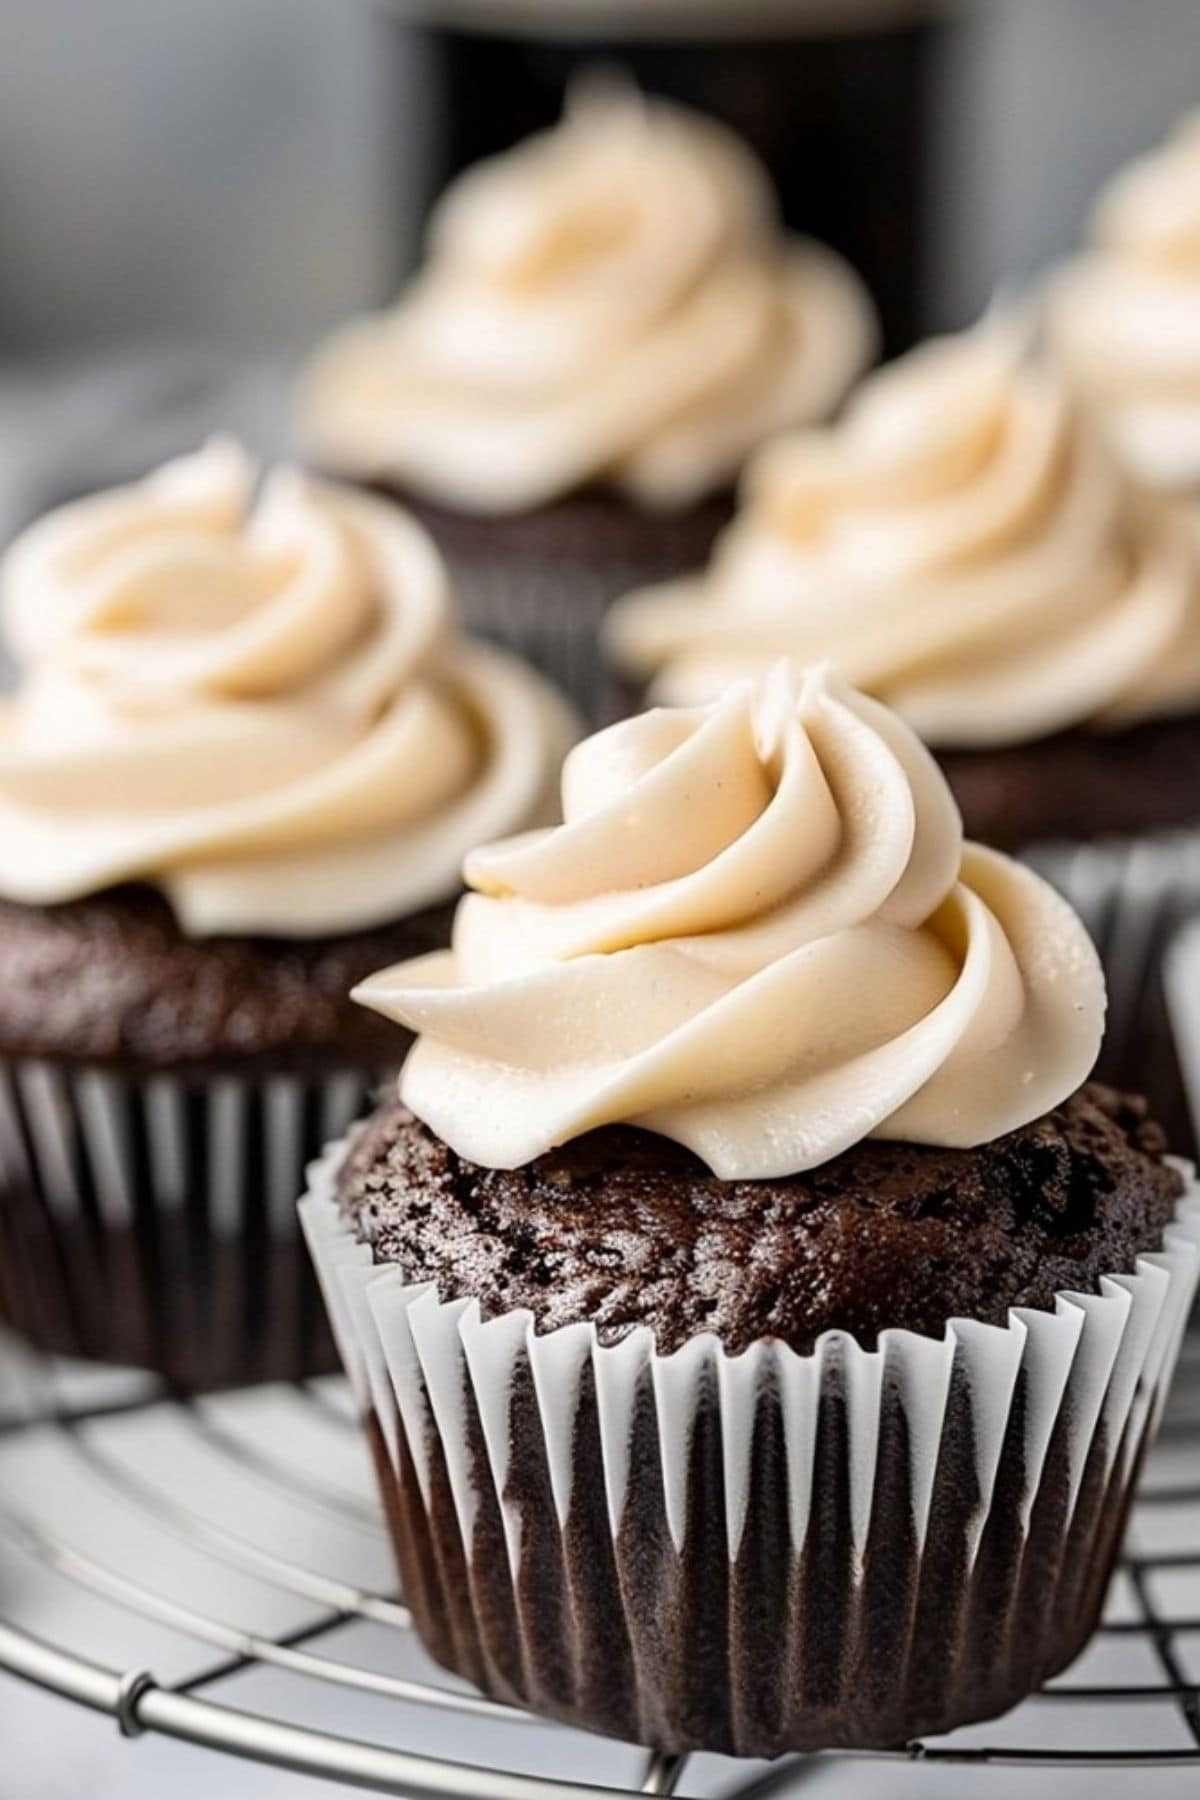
(1124,318)
(967,547)
(759,1327)
(244,760)
(610,320)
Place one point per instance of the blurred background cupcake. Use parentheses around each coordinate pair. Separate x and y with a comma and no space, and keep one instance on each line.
(966,545)
(610,320)
(1125,316)
(245,757)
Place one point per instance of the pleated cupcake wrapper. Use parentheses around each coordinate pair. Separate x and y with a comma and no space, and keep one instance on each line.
(551,614)
(759,1552)
(1182,975)
(150,1219)
(1133,895)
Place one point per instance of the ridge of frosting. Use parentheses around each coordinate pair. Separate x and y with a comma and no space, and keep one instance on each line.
(759,932)
(1125,316)
(613,300)
(963,544)
(259,706)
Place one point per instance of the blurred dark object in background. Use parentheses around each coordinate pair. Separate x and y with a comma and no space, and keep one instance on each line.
(842,117)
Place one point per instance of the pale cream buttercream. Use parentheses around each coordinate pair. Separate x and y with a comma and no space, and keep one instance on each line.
(758,932)
(612,300)
(264,711)
(1125,317)
(963,544)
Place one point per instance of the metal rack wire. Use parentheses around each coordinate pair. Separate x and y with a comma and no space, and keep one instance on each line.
(233,1545)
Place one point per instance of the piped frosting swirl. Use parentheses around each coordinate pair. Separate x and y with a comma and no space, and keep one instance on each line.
(1125,317)
(758,932)
(963,544)
(262,709)
(613,300)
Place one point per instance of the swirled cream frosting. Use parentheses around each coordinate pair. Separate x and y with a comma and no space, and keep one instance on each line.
(1125,317)
(757,932)
(613,300)
(966,547)
(259,707)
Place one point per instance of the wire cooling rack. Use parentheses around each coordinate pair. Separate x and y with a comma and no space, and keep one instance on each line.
(216,1570)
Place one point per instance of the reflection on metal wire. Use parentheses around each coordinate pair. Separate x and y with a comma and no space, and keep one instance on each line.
(268,1457)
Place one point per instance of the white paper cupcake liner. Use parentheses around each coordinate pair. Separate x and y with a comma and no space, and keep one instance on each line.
(762,1552)
(150,1219)
(1133,895)
(1182,976)
(550,614)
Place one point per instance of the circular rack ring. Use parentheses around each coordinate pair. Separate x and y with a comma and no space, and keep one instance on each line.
(237,1535)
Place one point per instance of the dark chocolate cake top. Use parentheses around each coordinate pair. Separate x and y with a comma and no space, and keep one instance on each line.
(113,979)
(1081,783)
(624,1228)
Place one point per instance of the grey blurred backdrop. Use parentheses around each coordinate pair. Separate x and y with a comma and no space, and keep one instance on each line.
(230,171)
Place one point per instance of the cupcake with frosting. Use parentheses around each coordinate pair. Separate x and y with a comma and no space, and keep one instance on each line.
(758,1318)
(245,757)
(1125,316)
(966,547)
(609,320)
